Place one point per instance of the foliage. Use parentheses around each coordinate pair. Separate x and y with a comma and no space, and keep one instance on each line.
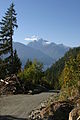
(54,72)
(31,75)
(3,71)
(28,64)
(7,25)
(44,82)
(70,77)
(16,63)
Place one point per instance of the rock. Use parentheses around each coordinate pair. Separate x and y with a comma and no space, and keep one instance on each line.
(58,110)
(42,106)
(30,92)
(35,115)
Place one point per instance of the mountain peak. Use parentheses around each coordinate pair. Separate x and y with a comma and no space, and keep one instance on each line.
(43,42)
(49,48)
(39,42)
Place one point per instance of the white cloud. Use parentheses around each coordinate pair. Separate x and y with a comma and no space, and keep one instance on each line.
(32,38)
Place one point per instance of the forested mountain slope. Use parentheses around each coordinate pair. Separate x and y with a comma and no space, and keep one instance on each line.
(54,72)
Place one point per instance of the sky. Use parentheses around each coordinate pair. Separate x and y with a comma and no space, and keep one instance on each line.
(53,20)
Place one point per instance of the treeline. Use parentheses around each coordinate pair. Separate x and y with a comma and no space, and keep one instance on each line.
(64,74)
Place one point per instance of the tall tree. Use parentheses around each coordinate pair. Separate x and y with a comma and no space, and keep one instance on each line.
(7,25)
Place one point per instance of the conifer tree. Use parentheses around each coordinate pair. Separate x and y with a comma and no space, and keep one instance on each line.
(16,63)
(2,69)
(7,25)
(28,64)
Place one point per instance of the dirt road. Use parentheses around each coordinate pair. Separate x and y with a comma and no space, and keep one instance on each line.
(19,106)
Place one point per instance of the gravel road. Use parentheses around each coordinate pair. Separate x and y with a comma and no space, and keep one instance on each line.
(17,107)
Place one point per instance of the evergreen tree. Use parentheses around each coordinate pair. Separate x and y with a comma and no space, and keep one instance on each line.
(28,64)
(16,63)
(7,25)
(2,69)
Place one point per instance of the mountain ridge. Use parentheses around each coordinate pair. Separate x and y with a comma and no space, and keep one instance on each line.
(49,48)
(44,51)
(25,52)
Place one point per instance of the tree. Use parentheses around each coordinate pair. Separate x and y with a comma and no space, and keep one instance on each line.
(28,64)
(78,71)
(31,75)
(78,65)
(16,63)
(54,72)
(2,69)
(70,77)
(8,23)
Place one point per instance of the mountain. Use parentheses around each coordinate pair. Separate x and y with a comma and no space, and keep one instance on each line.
(25,52)
(51,49)
(42,50)
(54,72)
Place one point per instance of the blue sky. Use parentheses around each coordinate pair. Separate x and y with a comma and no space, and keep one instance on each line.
(54,20)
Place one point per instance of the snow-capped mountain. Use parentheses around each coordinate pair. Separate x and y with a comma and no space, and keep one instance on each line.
(42,50)
(49,48)
(39,43)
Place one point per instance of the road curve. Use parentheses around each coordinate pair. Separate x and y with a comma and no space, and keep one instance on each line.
(20,106)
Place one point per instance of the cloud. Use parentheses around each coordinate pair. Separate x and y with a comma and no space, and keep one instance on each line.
(31,38)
